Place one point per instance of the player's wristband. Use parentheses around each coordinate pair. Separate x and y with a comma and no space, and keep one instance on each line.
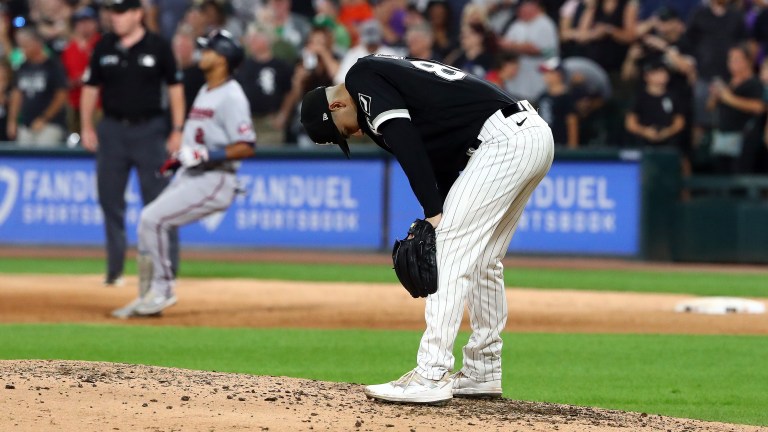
(178,128)
(217,155)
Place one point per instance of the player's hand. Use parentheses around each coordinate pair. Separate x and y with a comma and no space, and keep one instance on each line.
(435,220)
(174,142)
(191,156)
(89,139)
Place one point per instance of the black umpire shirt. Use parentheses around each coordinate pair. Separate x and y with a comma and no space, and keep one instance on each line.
(424,112)
(131,79)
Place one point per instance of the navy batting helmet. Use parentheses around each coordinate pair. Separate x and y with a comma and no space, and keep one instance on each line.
(224,44)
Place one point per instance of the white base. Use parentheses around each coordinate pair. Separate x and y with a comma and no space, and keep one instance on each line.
(721,306)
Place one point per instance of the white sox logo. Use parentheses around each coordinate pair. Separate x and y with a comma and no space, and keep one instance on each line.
(11,179)
(365,103)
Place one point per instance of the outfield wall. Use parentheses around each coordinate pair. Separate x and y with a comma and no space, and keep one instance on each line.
(591,203)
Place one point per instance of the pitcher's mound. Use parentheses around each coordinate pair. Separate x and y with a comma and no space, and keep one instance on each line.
(84,396)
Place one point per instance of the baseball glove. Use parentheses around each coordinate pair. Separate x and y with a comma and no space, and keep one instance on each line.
(415,259)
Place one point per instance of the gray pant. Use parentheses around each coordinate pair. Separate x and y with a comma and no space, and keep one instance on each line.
(122,147)
(192,195)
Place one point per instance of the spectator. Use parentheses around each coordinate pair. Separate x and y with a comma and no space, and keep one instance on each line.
(570,40)
(739,104)
(556,105)
(609,26)
(371,38)
(163,16)
(36,115)
(327,16)
(290,29)
(76,57)
(475,14)
(391,18)
(507,66)
(760,28)
(266,81)
(439,18)
(419,40)
(218,16)
(534,37)
(501,14)
(591,88)
(311,72)
(656,117)
(661,41)
(352,13)
(195,22)
(764,80)
(5,95)
(475,54)
(684,7)
(52,18)
(6,47)
(762,154)
(184,50)
(413,17)
(713,28)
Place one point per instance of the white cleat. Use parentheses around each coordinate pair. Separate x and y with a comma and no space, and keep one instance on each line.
(413,388)
(154,303)
(464,386)
(128,310)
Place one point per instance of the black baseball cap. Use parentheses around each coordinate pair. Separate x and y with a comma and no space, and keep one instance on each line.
(122,5)
(318,121)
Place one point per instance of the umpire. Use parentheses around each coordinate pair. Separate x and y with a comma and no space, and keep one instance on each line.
(129,66)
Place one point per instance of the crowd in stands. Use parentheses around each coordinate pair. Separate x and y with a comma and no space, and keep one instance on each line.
(686,74)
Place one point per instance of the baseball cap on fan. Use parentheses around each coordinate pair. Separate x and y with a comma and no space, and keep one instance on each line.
(122,5)
(318,121)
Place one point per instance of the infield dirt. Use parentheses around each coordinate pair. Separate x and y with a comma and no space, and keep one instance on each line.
(81,397)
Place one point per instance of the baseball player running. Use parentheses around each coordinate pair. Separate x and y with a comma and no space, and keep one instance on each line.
(473,156)
(217,133)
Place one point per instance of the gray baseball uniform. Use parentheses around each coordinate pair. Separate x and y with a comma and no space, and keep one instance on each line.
(218,117)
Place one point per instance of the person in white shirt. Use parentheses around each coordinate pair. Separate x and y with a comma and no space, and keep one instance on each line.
(534,37)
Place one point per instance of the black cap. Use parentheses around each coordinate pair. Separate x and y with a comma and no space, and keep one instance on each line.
(318,121)
(122,5)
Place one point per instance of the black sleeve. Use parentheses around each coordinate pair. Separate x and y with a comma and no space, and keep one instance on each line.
(93,75)
(170,71)
(404,140)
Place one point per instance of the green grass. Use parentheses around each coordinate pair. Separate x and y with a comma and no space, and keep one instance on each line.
(684,282)
(721,378)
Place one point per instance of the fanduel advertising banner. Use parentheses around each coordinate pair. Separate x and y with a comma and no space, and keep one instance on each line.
(308,204)
(579,208)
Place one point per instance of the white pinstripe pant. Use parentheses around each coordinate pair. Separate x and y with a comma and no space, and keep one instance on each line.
(480,215)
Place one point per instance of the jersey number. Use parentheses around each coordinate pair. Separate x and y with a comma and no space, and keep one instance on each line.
(199,136)
(445,72)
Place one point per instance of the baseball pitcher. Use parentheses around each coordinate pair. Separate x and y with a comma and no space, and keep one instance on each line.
(473,156)
(218,132)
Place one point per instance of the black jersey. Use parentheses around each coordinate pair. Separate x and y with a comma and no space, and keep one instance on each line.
(446,105)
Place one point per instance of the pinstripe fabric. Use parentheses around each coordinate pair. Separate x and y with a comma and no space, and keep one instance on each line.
(479,218)
(188,198)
